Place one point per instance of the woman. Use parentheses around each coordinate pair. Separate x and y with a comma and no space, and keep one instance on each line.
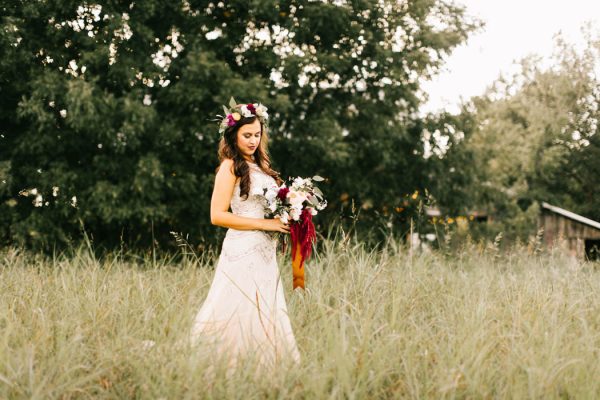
(245,310)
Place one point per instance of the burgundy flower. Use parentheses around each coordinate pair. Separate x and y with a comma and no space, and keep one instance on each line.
(282,193)
(230,120)
(251,108)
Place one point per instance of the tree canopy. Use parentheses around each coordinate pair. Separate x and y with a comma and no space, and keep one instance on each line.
(106,107)
(534,139)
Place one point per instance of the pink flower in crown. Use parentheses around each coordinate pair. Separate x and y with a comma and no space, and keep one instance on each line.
(230,120)
(251,108)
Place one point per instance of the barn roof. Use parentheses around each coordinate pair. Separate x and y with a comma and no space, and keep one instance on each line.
(571,215)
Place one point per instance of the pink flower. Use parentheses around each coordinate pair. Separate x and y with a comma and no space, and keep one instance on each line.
(230,120)
(296,198)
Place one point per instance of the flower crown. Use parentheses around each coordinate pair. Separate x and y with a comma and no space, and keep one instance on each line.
(236,112)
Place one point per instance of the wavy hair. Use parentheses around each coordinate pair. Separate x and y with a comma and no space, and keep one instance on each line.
(228,149)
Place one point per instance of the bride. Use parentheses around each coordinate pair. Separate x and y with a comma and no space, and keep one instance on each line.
(245,311)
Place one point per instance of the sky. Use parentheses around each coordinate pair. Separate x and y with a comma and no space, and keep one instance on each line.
(514,29)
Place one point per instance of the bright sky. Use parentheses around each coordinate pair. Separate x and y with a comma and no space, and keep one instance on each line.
(514,29)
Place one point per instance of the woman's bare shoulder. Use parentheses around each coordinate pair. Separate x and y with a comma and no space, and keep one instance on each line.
(226,170)
(226,165)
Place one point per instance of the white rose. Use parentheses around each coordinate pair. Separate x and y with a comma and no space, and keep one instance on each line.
(298,182)
(284,217)
(245,112)
(312,211)
(295,213)
(273,206)
(271,195)
(261,111)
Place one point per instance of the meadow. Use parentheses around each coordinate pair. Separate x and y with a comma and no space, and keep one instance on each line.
(388,323)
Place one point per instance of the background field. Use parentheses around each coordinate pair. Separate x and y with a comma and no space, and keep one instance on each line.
(382,323)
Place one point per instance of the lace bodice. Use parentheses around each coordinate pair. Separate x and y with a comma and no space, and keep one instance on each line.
(254,205)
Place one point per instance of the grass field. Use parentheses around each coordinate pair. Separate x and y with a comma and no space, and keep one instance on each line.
(373,324)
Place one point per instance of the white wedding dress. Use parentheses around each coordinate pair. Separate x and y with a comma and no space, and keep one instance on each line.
(245,309)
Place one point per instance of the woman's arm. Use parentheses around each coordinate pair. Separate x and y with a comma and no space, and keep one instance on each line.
(221,200)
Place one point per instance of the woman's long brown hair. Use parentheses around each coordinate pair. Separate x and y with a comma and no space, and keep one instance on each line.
(228,149)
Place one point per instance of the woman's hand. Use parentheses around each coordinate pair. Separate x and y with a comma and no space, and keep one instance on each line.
(276,225)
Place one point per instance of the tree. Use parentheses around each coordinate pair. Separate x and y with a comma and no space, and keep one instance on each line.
(535,139)
(110,103)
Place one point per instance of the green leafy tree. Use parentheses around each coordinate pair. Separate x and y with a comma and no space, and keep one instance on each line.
(535,140)
(106,106)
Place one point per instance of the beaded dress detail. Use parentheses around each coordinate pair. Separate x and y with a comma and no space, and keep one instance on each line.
(245,309)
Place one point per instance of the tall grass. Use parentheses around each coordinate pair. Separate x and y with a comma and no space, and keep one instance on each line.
(386,323)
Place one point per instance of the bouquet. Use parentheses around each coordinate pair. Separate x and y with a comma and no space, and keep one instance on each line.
(297,203)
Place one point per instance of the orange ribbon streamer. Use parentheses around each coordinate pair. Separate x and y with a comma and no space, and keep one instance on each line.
(297,267)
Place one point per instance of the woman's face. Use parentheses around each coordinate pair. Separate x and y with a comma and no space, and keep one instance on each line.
(248,138)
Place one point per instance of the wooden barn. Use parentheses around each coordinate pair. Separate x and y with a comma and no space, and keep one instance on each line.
(581,235)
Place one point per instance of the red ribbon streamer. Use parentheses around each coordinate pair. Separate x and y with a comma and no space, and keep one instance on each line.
(303,232)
